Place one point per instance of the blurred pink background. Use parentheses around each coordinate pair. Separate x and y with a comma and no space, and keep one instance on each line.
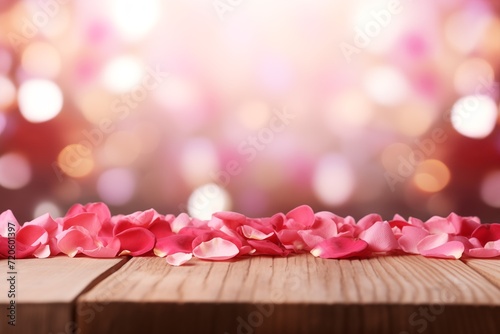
(254,106)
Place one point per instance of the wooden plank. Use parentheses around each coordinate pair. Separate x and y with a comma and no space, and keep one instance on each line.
(46,290)
(297,294)
(489,268)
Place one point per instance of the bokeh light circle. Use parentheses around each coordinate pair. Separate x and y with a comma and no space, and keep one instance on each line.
(474,116)
(40,100)
(334,180)
(116,186)
(15,171)
(208,199)
(431,176)
(47,207)
(76,160)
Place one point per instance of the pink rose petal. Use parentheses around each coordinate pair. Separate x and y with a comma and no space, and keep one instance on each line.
(7,217)
(303,215)
(87,220)
(253,233)
(367,221)
(177,243)
(136,241)
(410,238)
(448,250)
(487,232)
(340,248)
(180,222)
(42,252)
(483,253)
(266,247)
(71,241)
(216,249)
(432,241)
(178,259)
(380,237)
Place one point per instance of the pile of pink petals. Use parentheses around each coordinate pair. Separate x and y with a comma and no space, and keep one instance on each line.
(90,230)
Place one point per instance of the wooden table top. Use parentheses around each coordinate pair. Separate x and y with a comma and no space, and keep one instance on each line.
(295,294)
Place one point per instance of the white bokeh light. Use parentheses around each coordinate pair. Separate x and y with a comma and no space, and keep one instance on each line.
(134,19)
(334,180)
(208,199)
(40,100)
(386,85)
(122,74)
(116,186)
(47,207)
(474,116)
(15,171)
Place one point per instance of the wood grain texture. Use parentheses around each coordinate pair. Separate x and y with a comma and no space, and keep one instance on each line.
(489,268)
(297,294)
(46,290)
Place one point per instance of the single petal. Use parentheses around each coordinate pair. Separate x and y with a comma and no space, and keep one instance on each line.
(180,222)
(380,237)
(176,243)
(367,221)
(87,220)
(136,241)
(483,253)
(266,247)
(253,233)
(432,241)
(7,217)
(208,235)
(303,215)
(217,249)
(178,259)
(76,238)
(100,209)
(493,245)
(42,252)
(448,250)
(340,248)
